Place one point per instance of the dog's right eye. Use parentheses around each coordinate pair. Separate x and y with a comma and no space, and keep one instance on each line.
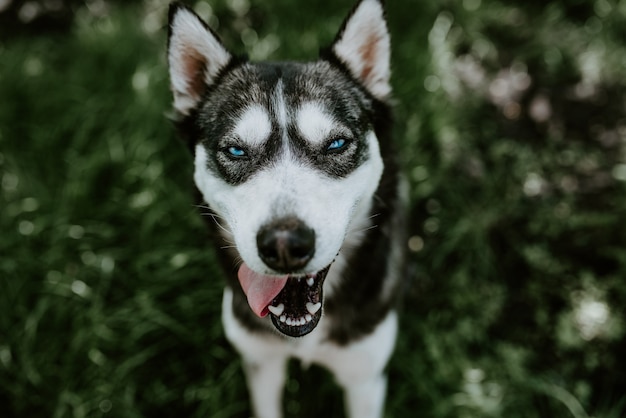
(235,151)
(336,146)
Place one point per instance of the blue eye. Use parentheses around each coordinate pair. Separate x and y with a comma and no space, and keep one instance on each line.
(336,145)
(236,151)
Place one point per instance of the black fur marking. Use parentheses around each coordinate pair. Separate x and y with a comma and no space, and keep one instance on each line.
(355,301)
(334,163)
(244,84)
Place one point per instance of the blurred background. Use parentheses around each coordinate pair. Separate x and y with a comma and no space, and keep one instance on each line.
(511,126)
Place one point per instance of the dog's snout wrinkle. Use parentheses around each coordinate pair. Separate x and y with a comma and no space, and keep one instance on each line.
(286,245)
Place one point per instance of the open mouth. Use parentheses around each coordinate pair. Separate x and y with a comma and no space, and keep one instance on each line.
(294,302)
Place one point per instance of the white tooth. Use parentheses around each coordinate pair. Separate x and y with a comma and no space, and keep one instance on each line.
(283,318)
(276,310)
(310,281)
(313,307)
(308,317)
(289,321)
(302,321)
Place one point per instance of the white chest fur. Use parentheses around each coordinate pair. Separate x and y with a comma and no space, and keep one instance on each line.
(358,367)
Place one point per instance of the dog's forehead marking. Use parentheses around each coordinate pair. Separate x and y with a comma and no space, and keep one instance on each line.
(314,123)
(280,105)
(254,125)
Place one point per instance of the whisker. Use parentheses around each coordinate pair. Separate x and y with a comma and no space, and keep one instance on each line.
(374,226)
(215,218)
(237,262)
(366,228)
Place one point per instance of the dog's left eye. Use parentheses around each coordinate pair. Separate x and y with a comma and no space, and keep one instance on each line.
(235,151)
(336,145)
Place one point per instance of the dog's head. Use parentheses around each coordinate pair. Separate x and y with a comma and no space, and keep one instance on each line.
(286,154)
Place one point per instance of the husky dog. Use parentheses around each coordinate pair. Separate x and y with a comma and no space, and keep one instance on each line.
(294,163)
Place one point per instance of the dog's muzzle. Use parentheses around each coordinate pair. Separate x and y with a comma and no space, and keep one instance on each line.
(294,299)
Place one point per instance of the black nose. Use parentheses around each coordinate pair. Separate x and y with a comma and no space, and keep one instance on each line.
(286,245)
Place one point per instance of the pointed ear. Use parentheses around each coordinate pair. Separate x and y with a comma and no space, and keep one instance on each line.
(364,46)
(195,56)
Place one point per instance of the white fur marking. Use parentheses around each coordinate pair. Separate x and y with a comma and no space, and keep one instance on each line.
(264,362)
(254,127)
(316,125)
(280,106)
(358,367)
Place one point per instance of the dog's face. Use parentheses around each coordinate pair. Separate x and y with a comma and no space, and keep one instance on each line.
(285,154)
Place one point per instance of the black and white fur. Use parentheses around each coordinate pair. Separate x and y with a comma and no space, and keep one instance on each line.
(283,141)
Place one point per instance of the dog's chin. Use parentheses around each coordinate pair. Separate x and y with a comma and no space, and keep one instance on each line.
(297,309)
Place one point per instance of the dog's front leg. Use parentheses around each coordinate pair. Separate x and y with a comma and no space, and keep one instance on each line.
(359,369)
(366,399)
(264,362)
(266,380)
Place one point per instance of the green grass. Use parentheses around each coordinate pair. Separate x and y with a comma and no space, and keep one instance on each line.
(109,293)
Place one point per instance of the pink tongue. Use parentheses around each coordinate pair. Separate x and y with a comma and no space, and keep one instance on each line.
(260,289)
